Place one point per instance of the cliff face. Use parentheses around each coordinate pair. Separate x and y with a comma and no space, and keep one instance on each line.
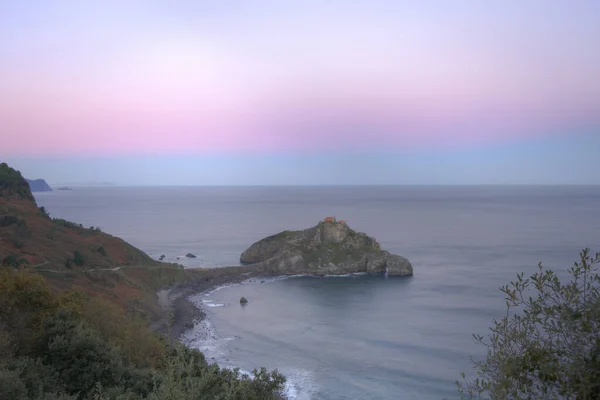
(38,185)
(13,185)
(330,248)
(27,233)
(70,256)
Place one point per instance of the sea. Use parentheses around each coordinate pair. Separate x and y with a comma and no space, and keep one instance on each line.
(357,336)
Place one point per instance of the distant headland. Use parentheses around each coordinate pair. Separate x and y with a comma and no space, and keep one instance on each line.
(38,185)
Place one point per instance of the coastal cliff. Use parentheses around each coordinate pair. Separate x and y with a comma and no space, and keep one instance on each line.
(329,248)
(75,305)
(38,185)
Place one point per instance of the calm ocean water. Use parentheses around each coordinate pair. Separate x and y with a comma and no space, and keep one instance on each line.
(355,337)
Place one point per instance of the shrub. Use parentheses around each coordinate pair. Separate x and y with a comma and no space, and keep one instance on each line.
(78,258)
(188,374)
(44,212)
(12,260)
(22,230)
(66,224)
(79,355)
(71,345)
(11,386)
(8,220)
(25,302)
(102,251)
(546,346)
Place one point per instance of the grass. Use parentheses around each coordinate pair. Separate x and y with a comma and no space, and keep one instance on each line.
(284,235)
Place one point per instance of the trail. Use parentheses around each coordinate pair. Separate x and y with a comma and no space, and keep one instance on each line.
(42,264)
(98,269)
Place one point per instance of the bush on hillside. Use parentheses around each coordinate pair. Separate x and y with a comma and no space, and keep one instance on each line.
(44,212)
(78,258)
(547,346)
(12,260)
(71,346)
(8,220)
(21,229)
(66,224)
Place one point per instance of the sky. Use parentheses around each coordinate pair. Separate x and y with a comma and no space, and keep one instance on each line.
(301,92)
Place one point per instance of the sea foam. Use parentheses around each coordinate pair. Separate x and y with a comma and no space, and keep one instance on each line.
(299,385)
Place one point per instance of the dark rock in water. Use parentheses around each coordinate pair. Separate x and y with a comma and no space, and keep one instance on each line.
(190,255)
(38,185)
(330,248)
(189,325)
(161,257)
(243,300)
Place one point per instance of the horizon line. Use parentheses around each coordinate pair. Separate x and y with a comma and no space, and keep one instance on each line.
(113,185)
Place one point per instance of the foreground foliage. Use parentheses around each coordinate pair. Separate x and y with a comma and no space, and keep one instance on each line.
(547,346)
(13,183)
(71,346)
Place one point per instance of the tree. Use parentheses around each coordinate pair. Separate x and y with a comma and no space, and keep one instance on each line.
(44,212)
(102,251)
(547,346)
(78,258)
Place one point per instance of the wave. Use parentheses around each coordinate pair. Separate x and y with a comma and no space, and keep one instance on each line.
(300,384)
(203,337)
(253,281)
(249,281)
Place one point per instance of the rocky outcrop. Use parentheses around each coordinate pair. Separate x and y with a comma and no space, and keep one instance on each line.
(38,185)
(330,248)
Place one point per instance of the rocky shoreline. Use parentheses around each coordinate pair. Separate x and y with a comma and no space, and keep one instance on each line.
(179,312)
(329,248)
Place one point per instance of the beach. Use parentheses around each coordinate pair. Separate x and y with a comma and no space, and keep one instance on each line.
(180,313)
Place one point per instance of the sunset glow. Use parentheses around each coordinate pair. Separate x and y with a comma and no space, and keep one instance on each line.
(136,77)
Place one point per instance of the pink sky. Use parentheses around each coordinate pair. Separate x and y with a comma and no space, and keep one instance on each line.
(133,77)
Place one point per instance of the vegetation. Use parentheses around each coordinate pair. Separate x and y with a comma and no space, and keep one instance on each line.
(44,212)
(8,220)
(66,224)
(93,343)
(12,260)
(102,251)
(72,346)
(12,183)
(78,258)
(547,346)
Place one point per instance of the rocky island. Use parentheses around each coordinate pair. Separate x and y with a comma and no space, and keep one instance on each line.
(329,248)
